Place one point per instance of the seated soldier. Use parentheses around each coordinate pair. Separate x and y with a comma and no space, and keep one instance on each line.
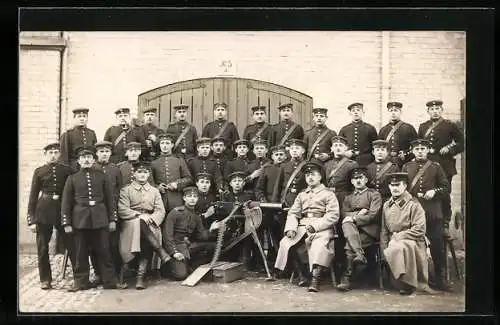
(206,198)
(241,162)
(402,237)
(380,168)
(133,154)
(310,221)
(360,223)
(185,238)
(141,212)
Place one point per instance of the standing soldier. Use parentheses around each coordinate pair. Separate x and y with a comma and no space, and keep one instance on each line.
(257,166)
(428,183)
(319,137)
(265,189)
(286,129)
(221,127)
(151,133)
(44,209)
(185,133)
(398,135)
(202,163)
(241,162)
(127,167)
(260,130)
(221,157)
(89,212)
(380,168)
(206,198)
(445,140)
(123,133)
(170,173)
(359,135)
(76,137)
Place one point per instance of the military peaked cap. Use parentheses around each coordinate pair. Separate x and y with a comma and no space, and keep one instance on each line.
(395,178)
(297,142)
(380,143)
(289,105)
(320,110)
(351,106)
(165,136)
(394,104)
(190,190)
(81,110)
(203,140)
(105,144)
(421,142)
(122,110)
(258,108)
(203,175)
(150,110)
(312,166)
(220,104)
(240,141)
(236,174)
(85,150)
(437,102)
(339,138)
(358,171)
(51,146)
(178,107)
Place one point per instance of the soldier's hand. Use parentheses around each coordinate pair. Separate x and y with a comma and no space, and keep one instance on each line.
(347,219)
(291,234)
(162,187)
(349,153)
(363,211)
(172,186)
(178,256)
(152,137)
(112,226)
(429,194)
(401,155)
(68,229)
(214,226)
(33,228)
(444,150)
(210,211)
(149,143)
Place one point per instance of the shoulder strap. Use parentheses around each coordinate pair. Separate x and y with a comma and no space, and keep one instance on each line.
(259,132)
(432,127)
(182,136)
(393,130)
(292,177)
(288,133)
(121,136)
(419,174)
(316,143)
(383,170)
(336,169)
(222,129)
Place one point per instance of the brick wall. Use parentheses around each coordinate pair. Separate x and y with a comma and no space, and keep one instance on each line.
(38,119)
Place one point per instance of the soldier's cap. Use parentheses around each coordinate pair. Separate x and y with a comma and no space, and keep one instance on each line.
(320,110)
(133,145)
(279,147)
(141,165)
(258,108)
(103,144)
(150,110)
(222,104)
(351,106)
(166,136)
(395,178)
(236,174)
(124,110)
(394,104)
(51,146)
(85,150)
(80,110)
(380,143)
(420,142)
(218,139)
(178,107)
(358,171)
(289,105)
(341,139)
(240,142)
(297,142)
(190,190)
(260,142)
(312,166)
(436,102)
(203,175)
(203,140)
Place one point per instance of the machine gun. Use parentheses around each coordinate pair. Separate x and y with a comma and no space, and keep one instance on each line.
(253,219)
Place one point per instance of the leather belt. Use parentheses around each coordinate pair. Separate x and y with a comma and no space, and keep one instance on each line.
(51,196)
(144,210)
(313,215)
(87,202)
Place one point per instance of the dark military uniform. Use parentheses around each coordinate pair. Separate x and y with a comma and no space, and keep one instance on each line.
(237,165)
(187,144)
(205,200)
(250,134)
(151,153)
(183,232)
(199,164)
(288,195)
(220,162)
(280,129)
(88,206)
(340,181)
(230,134)
(376,179)
(44,210)
(359,136)
(324,146)
(167,169)
(434,178)
(399,141)
(133,134)
(71,140)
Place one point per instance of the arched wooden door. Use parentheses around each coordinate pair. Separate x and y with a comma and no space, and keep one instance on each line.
(240,95)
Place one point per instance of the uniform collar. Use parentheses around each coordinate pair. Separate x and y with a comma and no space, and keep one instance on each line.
(315,190)
(391,122)
(400,201)
(356,192)
(260,123)
(358,122)
(139,187)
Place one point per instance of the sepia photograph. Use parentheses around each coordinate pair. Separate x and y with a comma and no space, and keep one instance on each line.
(242,171)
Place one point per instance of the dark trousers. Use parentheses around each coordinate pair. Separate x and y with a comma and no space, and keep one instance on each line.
(201,253)
(446,203)
(43,236)
(98,241)
(115,254)
(435,235)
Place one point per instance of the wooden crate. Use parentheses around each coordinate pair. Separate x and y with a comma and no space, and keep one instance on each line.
(226,272)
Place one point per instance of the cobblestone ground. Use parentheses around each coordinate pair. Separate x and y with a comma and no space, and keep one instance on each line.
(251,294)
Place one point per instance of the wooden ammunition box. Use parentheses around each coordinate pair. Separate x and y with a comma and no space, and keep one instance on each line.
(226,272)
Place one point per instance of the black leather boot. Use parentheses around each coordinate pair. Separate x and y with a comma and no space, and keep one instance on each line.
(442,283)
(316,272)
(299,269)
(155,243)
(345,282)
(121,278)
(141,272)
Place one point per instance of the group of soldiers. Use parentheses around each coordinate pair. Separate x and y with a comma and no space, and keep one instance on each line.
(145,198)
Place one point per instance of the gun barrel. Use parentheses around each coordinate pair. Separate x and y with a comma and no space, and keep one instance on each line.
(277,206)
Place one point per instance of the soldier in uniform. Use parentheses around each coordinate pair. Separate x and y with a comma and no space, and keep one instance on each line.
(398,135)
(151,133)
(402,237)
(319,137)
(241,162)
(221,127)
(78,136)
(360,224)
(260,130)
(446,140)
(429,184)
(123,133)
(359,135)
(185,237)
(44,209)
(126,167)
(88,211)
(203,163)
(185,134)
(206,198)
(310,221)
(141,213)
(286,129)
(380,168)
(256,167)
(221,157)
(170,173)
